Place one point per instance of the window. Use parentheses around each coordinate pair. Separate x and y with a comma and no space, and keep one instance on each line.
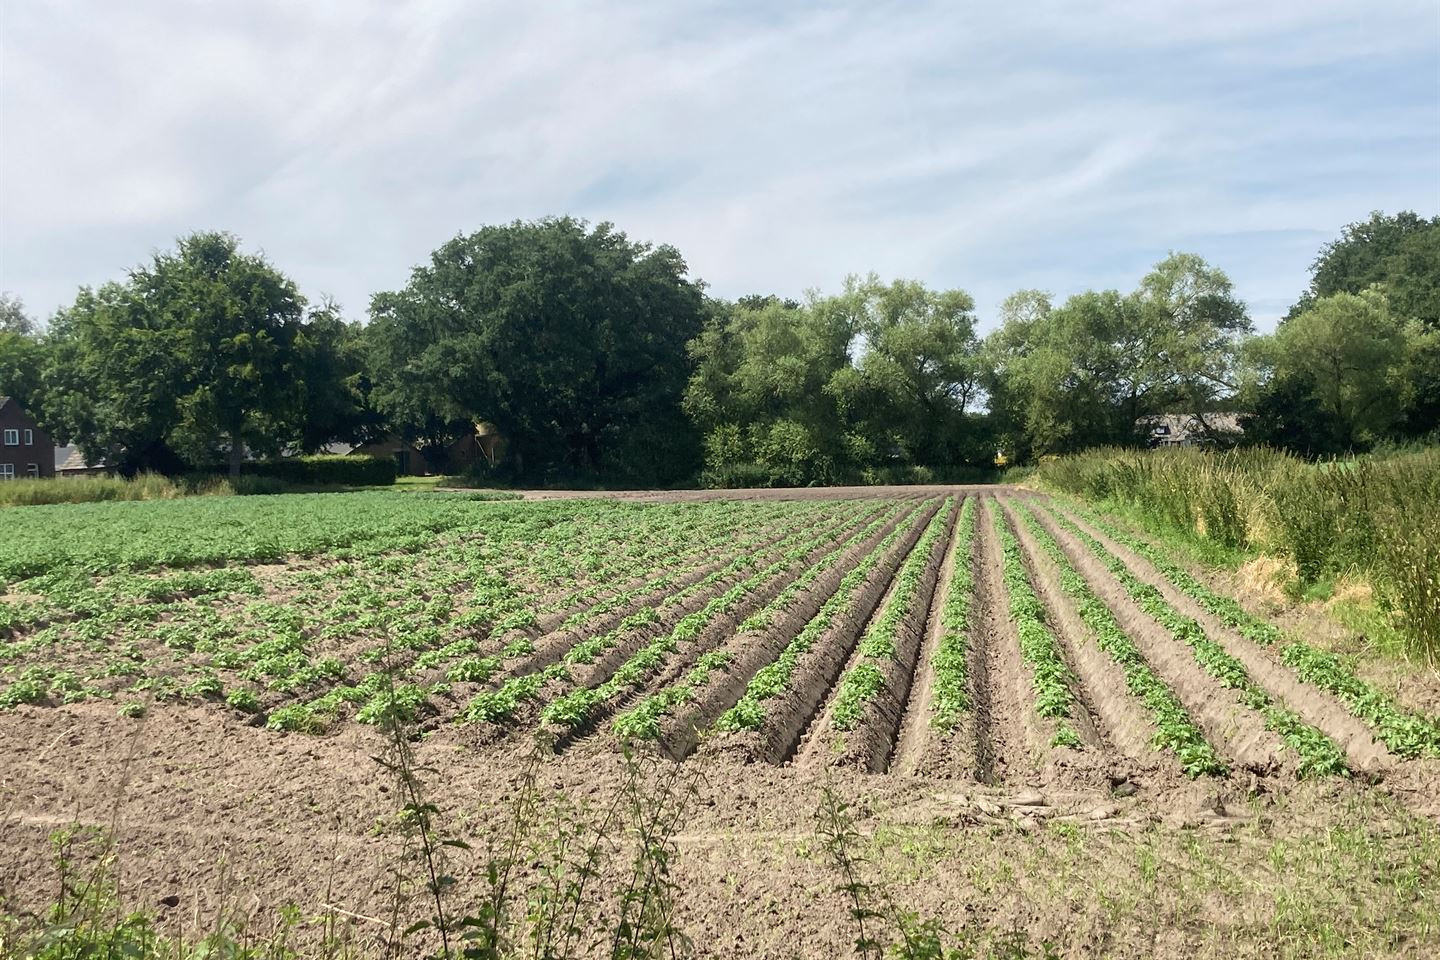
(12,439)
(29,438)
(32,470)
(7,471)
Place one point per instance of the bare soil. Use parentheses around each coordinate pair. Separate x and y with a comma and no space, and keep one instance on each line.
(1107,850)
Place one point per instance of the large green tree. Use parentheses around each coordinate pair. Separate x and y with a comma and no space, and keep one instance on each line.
(1339,369)
(917,374)
(22,353)
(571,339)
(1399,252)
(761,391)
(878,375)
(1357,358)
(199,356)
(1083,373)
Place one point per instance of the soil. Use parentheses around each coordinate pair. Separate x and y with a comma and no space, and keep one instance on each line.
(1008,842)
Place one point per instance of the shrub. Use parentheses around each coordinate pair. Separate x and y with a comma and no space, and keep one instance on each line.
(323,471)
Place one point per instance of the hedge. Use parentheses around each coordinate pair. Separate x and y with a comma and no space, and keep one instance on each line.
(333,470)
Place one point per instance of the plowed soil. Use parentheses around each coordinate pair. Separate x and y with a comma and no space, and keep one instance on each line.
(1009,841)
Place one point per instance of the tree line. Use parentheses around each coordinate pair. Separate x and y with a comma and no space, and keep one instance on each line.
(600,359)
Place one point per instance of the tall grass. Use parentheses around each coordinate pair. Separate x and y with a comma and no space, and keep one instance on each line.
(90,489)
(29,492)
(1378,516)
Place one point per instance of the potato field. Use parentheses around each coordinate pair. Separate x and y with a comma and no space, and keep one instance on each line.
(1017,697)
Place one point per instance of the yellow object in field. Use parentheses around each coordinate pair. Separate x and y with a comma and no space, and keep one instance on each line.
(1000,458)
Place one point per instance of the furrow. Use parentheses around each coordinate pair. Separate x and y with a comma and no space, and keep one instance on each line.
(915,726)
(1009,743)
(1238,731)
(1120,719)
(1317,707)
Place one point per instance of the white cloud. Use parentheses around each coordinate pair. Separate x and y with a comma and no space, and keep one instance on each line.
(779,147)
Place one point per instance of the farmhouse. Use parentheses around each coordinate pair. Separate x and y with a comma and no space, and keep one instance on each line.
(1189,429)
(25,449)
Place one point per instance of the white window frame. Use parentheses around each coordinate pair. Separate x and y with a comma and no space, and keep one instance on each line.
(12,438)
(32,470)
(29,437)
(7,471)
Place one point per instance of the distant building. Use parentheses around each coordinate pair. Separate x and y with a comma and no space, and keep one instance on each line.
(25,449)
(1188,429)
(70,462)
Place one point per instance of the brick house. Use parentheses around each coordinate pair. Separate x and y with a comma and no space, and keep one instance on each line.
(25,449)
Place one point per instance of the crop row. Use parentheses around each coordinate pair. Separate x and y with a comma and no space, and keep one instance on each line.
(399,634)
(1175,730)
(704,533)
(1319,755)
(1052,678)
(501,704)
(774,678)
(576,708)
(1405,733)
(866,678)
(950,699)
(678,564)
(265,648)
(643,720)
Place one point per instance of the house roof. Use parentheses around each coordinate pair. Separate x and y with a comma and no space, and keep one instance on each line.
(4,401)
(70,458)
(1185,423)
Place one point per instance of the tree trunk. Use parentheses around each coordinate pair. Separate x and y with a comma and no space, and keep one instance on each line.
(237,454)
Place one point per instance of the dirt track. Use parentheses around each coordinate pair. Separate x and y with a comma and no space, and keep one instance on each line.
(988,827)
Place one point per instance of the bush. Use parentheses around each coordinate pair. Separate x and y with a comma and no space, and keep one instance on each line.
(326,471)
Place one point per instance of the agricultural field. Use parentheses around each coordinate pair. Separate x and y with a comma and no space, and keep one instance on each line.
(1022,719)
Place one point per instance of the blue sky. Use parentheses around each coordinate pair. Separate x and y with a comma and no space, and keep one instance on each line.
(780,147)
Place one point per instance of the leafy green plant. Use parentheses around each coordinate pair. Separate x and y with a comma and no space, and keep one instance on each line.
(1052,678)
(863,682)
(1319,755)
(1174,728)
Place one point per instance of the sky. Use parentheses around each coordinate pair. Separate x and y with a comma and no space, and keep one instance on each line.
(780,146)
